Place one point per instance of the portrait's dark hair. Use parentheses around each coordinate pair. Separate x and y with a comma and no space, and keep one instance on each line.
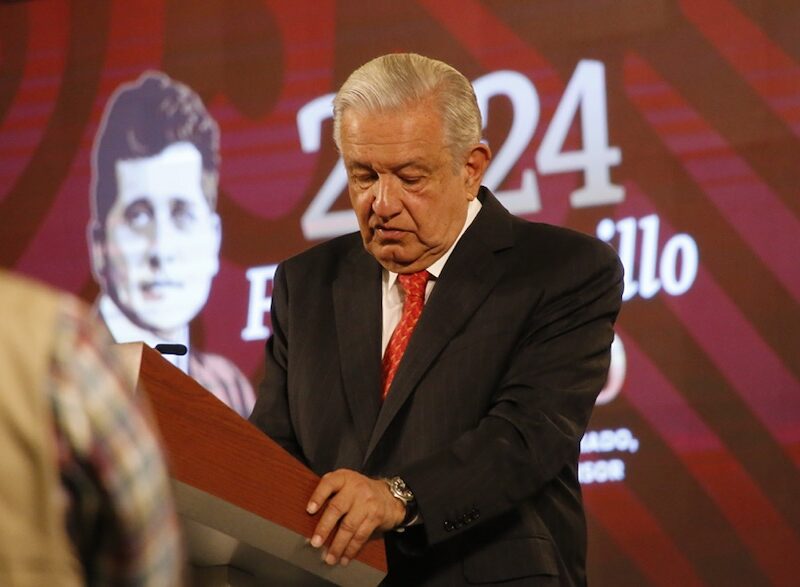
(143,118)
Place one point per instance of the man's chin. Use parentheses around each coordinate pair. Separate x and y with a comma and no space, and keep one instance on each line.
(400,259)
(164,319)
(165,328)
(388,256)
(401,265)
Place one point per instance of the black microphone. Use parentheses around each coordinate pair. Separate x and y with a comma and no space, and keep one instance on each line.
(171,349)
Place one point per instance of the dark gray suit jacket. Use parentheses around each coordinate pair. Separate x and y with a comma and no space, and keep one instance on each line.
(484,417)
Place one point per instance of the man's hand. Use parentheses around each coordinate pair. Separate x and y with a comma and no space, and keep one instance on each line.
(359,505)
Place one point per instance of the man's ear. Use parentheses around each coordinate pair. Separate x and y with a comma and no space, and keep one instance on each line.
(96,237)
(475,167)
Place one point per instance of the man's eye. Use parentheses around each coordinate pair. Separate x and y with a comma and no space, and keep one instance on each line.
(182,214)
(364,179)
(411,180)
(138,215)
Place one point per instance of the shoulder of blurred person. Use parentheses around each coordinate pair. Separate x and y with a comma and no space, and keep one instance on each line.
(90,501)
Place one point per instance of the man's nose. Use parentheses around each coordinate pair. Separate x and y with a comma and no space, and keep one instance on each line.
(163,241)
(387,201)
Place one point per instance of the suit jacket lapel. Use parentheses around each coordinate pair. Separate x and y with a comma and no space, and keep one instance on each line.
(470,274)
(357,307)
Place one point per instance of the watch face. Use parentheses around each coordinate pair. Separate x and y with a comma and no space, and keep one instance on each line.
(400,490)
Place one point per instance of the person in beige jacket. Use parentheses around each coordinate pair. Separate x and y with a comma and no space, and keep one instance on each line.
(84,493)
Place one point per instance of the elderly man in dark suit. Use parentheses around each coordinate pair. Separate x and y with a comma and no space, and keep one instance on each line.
(439,367)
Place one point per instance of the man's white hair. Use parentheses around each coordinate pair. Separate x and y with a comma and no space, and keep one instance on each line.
(400,80)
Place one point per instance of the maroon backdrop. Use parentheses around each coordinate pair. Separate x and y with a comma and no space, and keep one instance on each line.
(670,129)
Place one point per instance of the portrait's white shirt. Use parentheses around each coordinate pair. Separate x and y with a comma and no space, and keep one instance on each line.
(123,330)
(392,294)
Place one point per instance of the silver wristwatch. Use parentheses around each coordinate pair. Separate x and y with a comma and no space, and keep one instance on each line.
(399,489)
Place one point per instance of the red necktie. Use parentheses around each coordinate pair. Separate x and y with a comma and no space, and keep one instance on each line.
(414,288)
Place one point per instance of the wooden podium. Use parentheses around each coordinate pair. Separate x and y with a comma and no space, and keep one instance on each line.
(240,496)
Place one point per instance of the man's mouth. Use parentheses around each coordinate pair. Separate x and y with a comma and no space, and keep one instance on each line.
(158,287)
(389,232)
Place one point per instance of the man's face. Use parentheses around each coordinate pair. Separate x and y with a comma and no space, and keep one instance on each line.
(161,245)
(408,194)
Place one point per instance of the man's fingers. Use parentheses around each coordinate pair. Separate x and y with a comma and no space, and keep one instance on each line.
(353,507)
(328,484)
(350,535)
(327,522)
(360,537)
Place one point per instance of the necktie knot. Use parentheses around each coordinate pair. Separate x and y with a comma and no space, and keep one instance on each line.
(414,283)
